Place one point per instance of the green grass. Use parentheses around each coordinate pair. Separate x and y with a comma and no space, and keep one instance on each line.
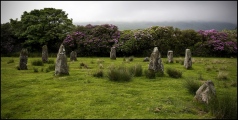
(28,94)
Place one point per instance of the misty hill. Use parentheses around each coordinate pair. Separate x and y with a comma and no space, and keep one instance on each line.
(181,25)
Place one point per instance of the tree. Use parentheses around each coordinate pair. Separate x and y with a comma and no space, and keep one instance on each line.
(8,39)
(48,26)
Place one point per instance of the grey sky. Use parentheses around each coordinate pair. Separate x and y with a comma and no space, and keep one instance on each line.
(130,11)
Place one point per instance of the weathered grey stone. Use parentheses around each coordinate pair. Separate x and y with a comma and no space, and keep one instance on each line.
(146,59)
(113,53)
(61,67)
(205,92)
(73,56)
(188,59)
(44,54)
(23,59)
(170,56)
(156,62)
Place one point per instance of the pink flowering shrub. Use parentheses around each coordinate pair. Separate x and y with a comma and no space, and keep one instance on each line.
(93,39)
(217,43)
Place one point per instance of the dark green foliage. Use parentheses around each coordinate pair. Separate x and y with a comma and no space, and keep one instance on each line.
(9,41)
(150,74)
(47,70)
(118,74)
(50,61)
(224,107)
(160,74)
(37,62)
(35,69)
(51,67)
(47,26)
(174,73)
(192,85)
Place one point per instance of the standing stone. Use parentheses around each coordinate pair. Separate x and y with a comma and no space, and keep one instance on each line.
(23,59)
(146,59)
(188,59)
(73,56)
(170,56)
(61,67)
(205,92)
(113,53)
(44,54)
(156,62)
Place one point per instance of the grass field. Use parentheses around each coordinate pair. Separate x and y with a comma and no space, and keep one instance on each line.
(28,94)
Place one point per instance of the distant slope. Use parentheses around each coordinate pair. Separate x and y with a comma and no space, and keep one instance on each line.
(181,25)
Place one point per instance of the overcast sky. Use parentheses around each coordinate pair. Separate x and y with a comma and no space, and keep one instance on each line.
(130,11)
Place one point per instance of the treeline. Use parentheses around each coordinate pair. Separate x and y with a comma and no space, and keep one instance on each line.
(51,27)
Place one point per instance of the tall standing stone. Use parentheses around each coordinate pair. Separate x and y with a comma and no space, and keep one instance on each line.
(44,54)
(188,59)
(23,59)
(113,53)
(73,56)
(61,67)
(170,56)
(156,62)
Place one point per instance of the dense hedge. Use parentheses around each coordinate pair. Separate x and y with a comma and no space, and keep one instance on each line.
(96,40)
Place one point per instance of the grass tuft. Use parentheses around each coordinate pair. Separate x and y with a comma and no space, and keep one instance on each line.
(222,75)
(150,74)
(174,73)
(224,107)
(192,85)
(37,62)
(98,73)
(120,73)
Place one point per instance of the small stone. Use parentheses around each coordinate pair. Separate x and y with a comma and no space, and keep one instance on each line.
(23,59)
(113,53)
(170,56)
(44,54)
(188,59)
(73,56)
(146,59)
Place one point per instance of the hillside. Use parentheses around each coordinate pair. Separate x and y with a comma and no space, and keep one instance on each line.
(181,25)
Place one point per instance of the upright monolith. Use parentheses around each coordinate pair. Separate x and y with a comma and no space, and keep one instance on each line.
(156,62)
(23,59)
(170,56)
(61,67)
(73,56)
(188,59)
(44,54)
(113,53)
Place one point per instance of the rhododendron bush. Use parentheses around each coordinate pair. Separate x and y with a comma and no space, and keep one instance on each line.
(218,43)
(92,40)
